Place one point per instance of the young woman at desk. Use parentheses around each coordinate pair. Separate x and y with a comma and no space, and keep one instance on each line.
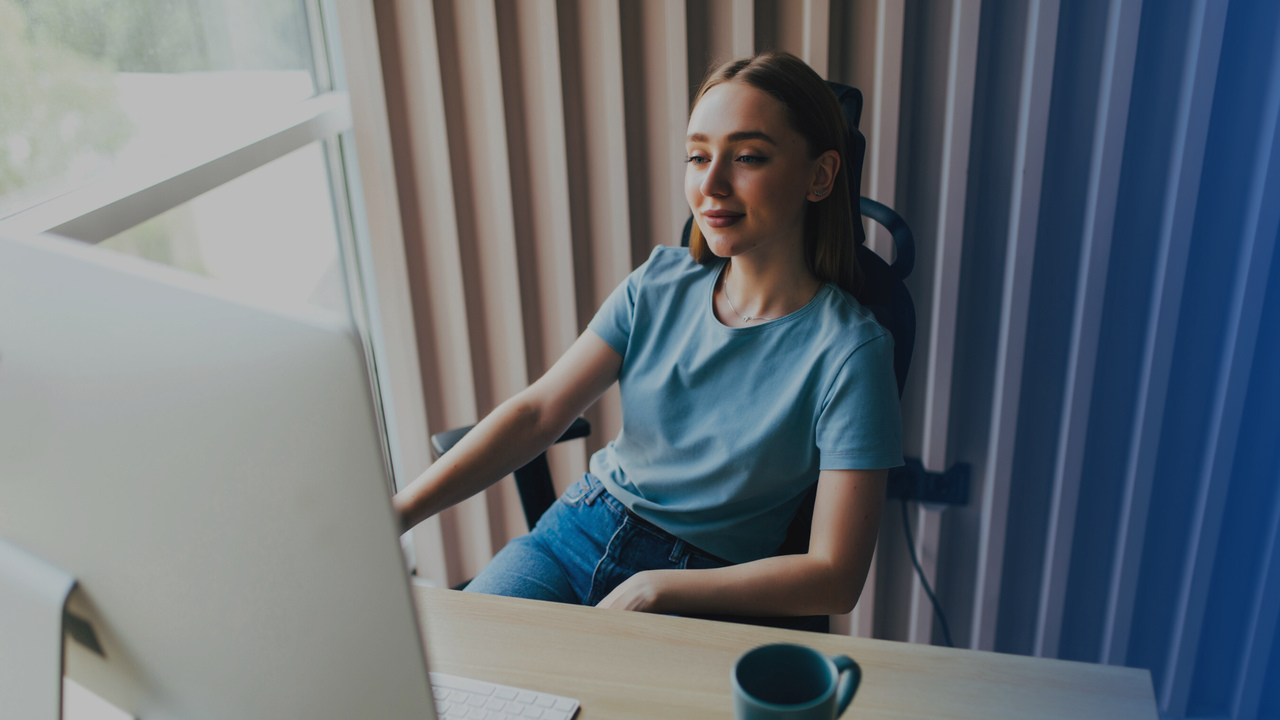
(747,370)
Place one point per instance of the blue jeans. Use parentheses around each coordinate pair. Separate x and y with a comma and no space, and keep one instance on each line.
(586,545)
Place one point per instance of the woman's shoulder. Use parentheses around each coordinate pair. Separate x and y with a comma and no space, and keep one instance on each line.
(851,323)
(673,256)
(673,264)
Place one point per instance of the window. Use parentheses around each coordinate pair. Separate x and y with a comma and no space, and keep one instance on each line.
(203,135)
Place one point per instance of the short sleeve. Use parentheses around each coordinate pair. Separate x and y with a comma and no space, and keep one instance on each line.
(612,321)
(860,424)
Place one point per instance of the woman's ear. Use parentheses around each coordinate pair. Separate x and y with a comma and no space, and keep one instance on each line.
(824,175)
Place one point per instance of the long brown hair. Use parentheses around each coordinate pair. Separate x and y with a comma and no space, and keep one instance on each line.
(811,109)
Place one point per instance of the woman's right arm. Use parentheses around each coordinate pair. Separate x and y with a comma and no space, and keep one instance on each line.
(515,432)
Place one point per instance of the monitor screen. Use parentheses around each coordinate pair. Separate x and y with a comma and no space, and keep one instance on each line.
(209,470)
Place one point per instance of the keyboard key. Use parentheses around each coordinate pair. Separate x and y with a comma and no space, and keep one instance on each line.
(505,693)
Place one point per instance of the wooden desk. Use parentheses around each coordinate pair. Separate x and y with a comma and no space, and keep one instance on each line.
(633,665)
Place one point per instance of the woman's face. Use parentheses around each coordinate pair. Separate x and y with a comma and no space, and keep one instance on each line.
(748,174)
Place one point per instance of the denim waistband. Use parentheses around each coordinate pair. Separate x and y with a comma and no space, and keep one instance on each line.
(599,490)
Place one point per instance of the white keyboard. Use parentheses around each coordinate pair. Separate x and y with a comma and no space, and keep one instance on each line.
(467,699)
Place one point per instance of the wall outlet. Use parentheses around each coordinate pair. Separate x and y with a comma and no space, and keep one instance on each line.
(913,482)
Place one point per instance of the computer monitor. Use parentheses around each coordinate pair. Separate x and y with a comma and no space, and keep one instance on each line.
(210,472)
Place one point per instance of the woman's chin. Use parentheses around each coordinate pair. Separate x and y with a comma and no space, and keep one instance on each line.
(719,245)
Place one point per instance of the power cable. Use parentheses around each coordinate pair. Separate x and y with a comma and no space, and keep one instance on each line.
(911,547)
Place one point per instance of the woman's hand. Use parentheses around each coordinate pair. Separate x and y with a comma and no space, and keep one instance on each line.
(824,581)
(641,592)
(400,506)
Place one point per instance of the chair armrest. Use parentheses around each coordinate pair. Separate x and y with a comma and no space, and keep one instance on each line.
(533,480)
(441,442)
(903,240)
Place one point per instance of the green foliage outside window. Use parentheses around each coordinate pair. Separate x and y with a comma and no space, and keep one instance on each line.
(60,113)
(127,36)
(178,35)
(56,105)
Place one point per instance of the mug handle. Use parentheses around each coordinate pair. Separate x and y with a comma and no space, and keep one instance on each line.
(850,677)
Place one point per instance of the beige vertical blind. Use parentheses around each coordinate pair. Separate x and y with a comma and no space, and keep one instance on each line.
(1063,166)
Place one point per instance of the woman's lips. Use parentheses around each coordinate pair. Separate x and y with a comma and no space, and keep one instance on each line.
(721,219)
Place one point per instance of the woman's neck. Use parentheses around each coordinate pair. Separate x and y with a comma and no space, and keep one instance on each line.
(755,290)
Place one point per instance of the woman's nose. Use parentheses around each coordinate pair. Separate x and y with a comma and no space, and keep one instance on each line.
(716,182)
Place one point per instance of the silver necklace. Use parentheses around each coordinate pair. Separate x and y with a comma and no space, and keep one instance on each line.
(745,318)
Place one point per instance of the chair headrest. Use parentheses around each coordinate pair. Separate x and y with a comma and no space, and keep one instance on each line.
(850,99)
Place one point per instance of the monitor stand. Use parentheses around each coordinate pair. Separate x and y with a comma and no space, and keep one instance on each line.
(33,598)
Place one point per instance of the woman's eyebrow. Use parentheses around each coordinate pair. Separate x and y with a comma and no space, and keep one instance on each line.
(735,137)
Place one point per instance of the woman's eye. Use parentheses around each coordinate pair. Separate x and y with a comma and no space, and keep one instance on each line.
(751,159)
(695,159)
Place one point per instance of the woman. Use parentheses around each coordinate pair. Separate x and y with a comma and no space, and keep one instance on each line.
(747,371)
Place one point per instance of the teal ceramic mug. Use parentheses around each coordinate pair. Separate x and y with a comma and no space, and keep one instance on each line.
(792,682)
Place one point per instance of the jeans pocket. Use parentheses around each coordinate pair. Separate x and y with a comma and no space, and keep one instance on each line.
(576,493)
(698,560)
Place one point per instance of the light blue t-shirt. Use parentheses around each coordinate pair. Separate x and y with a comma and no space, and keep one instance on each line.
(724,429)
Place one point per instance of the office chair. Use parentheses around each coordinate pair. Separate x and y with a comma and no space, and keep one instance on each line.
(883,293)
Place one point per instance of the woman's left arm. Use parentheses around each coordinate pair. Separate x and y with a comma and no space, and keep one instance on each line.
(827,580)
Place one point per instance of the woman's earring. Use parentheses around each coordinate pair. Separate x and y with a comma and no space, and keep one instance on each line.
(820,193)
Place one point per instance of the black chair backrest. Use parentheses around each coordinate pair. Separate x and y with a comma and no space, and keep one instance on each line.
(883,292)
